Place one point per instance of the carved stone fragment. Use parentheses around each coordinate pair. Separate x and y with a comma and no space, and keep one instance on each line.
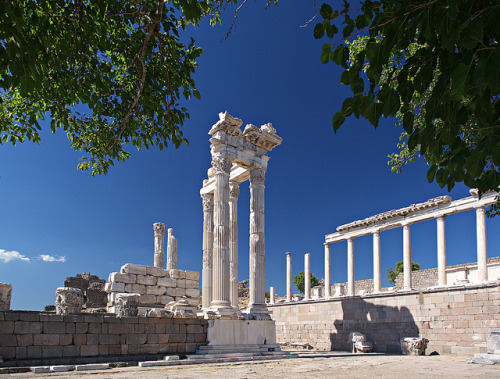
(414,345)
(69,301)
(5,296)
(126,304)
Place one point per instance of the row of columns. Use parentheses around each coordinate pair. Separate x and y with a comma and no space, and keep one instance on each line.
(407,284)
(220,241)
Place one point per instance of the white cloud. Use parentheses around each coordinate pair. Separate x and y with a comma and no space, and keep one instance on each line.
(8,256)
(50,258)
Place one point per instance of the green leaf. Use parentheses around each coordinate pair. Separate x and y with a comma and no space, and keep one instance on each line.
(319,31)
(337,120)
(326,11)
(459,79)
(431,173)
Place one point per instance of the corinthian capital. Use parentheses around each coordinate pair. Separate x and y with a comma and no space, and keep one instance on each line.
(222,163)
(159,228)
(208,202)
(234,189)
(257,175)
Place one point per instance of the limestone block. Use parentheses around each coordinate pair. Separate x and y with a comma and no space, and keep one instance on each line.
(5,296)
(181,283)
(192,275)
(177,274)
(155,290)
(493,340)
(148,299)
(148,280)
(193,301)
(195,292)
(176,292)
(126,304)
(69,301)
(192,284)
(167,282)
(114,287)
(119,277)
(414,345)
(165,299)
(158,272)
(130,268)
(135,288)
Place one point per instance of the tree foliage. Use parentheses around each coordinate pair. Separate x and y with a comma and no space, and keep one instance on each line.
(393,274)
(124,61)
(436,66)
(299,281)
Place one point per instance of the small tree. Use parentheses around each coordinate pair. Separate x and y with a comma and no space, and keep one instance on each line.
(299,281)
(393,274)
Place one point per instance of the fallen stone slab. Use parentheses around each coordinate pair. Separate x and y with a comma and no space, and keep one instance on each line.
(482,361)
(62,368)
(40,369)
(157,363)
(92,366)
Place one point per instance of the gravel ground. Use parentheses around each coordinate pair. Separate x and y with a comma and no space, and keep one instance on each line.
(309,365)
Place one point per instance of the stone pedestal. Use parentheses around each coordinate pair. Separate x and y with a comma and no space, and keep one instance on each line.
(69,301)
(126,304)
(5,296)
(414,345)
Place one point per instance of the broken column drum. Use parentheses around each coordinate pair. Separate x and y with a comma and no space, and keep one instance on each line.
(237,156)
(69,301)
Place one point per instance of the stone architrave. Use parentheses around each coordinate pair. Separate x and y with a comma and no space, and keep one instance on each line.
(5,296)
(159,232)
(126,304)
(221,303)
(208,241)
(69,301)
(234,191)
(171,250)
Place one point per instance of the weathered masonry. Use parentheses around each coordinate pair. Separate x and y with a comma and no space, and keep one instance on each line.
(237,156)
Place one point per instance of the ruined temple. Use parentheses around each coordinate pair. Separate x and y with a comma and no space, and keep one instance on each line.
(92,288)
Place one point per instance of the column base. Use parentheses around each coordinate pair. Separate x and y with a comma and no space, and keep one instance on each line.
(258,311)
(223,308)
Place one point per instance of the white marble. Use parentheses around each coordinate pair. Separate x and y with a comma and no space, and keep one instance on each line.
(234,191)
(289,280)
(328,270)
(69,301)
(272,295)
(406,257)
(307,276)
(208,228)
(171,250)
(350,267)
(482,258)
(159,243)
(441,251)
(377,282)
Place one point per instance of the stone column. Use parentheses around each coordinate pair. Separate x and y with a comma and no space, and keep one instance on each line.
(307,276)
(159,257)
(257,269)
(208,241)
(234,191)
(406,257)
(350,267)
(377,284)
(220,273)
(171,250)
(289,277)
(328,268)
(441,251)
(272,295)
(482,257)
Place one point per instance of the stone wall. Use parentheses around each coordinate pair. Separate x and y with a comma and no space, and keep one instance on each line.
(92,288)
(31,338)
(455,320)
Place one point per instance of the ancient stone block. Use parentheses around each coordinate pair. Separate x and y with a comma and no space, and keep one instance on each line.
(177,274)
(71,351)
(69,301)
(176,292)
(493,341)
(89,350)
(192,275)
(65,339)
(155,290)
(33,352)
(24,339)
(192,292)
(46,339)
(136,339)
(94,327)
(109,339)
(6,327)
(148,280)
(130,268)
(192,284)
(79,339)
(54,327)
(119,277)
(5,296)
(135,288)
(165,299)
(414,345)
(181,283)
(147,299)
(8,340)
(155,271)
(114,287)
(167,282)
(126,304)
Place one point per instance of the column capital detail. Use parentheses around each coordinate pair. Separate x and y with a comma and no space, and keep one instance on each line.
(481,209)
(406,226)
(376,232)
(222,163)
(441,217)
(234,189)
(208,202)
(257,175)
(159,228)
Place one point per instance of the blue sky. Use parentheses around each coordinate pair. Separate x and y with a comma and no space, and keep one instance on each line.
(267,71)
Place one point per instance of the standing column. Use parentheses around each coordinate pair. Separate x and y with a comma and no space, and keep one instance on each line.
(159,257)
(257,269)
(482,257)
(350,267)
(272,295)
(328,267)
(441,251)
(376,262)
(307,276)
(406,257)
(220,273)
(208,242)
(234,191)
(288,277)
(171,250)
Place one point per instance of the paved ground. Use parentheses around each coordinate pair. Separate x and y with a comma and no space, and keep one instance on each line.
(310,365)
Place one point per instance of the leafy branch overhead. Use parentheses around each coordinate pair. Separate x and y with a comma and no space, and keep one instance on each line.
(123,61)
(435,66)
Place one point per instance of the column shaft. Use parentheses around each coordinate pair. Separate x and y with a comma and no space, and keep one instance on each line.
(441,250)
(406,256)
(288,277)
(257,269)
(234,191)
(482,255)
(159,233)
(272,295)
(377,284)
(350,267)
(328,268)
(208,241)
(307,276)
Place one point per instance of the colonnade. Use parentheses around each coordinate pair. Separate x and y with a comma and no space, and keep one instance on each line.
(438,208)
(236,157)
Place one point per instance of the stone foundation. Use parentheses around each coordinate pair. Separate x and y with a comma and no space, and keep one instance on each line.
(454,320)
(34,338)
